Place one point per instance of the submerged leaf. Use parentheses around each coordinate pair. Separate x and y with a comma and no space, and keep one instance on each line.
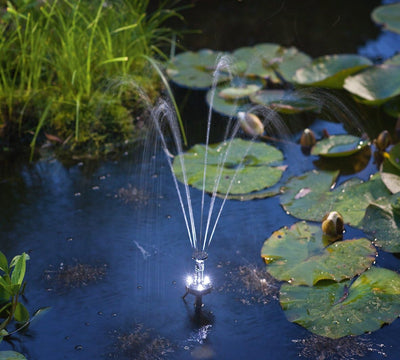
(342,309)
(241,166)
(300,254)
(339,146)
(331,70)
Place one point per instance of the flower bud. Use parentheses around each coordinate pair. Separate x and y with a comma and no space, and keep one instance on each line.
(250,124)
(383,140)
(333,225)
(307,139)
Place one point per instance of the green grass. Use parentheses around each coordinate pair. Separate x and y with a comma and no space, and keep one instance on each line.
(58,59)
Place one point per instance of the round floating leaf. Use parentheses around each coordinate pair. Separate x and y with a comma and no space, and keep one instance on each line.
(382,222)
(283,101)
(330,70)
(11,355)
(195,69)
(302,195)
(390,170)
(300,254)
(375,85)
(342,309)
(233,93)
(229,99)
(308,197)
(270,61)
(388,16)
(394,60)
(339,146)
(248,164)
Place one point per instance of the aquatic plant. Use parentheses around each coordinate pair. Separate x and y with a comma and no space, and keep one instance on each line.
(68,70)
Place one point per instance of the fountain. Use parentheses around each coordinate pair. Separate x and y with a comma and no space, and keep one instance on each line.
(163,117)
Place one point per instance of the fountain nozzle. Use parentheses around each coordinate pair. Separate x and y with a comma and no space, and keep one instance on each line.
(198,285)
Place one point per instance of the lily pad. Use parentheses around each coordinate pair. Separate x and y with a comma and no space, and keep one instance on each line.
(330,71)
(248,166)
(339,146)
(308,197)
(270,61)
(342,309)
(229,99)
(283,101)
(233,93)
(300,254)
(390,170)
(11,355)
(382,222)
(195,69)
(375,85)
(388,16)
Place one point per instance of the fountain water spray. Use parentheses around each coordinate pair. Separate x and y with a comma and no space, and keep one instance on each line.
(200,235)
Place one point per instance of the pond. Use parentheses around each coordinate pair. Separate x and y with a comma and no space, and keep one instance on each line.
(109,253)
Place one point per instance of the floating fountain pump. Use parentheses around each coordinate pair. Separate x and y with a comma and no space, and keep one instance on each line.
(198,285)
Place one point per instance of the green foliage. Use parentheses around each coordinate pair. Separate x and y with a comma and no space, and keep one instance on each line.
(339,146)
(330,71)
(247,167)
(11,287)
(348,308)
(302,255)
(309,196)
(67,53)
(388,16)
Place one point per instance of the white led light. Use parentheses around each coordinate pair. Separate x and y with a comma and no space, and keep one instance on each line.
(189,280)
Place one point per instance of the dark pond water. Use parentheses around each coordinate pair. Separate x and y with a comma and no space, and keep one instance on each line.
(109,250)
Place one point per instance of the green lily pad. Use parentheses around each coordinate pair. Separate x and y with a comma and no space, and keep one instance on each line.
(308,197)
(249,164)
(283,101)
(300,255)
(339,146)
(388,16)
(390,170)
(375,85)
(268,60)
(229,99)
(233,93)
(382,222)
(342,309)
(11,355)
(195,69)
(330,71)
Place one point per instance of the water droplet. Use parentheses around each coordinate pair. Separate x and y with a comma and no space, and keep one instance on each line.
(77,194)
(69,239)
(66,338)
(78,347)
(100,313)
(95,187)
(139,287)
